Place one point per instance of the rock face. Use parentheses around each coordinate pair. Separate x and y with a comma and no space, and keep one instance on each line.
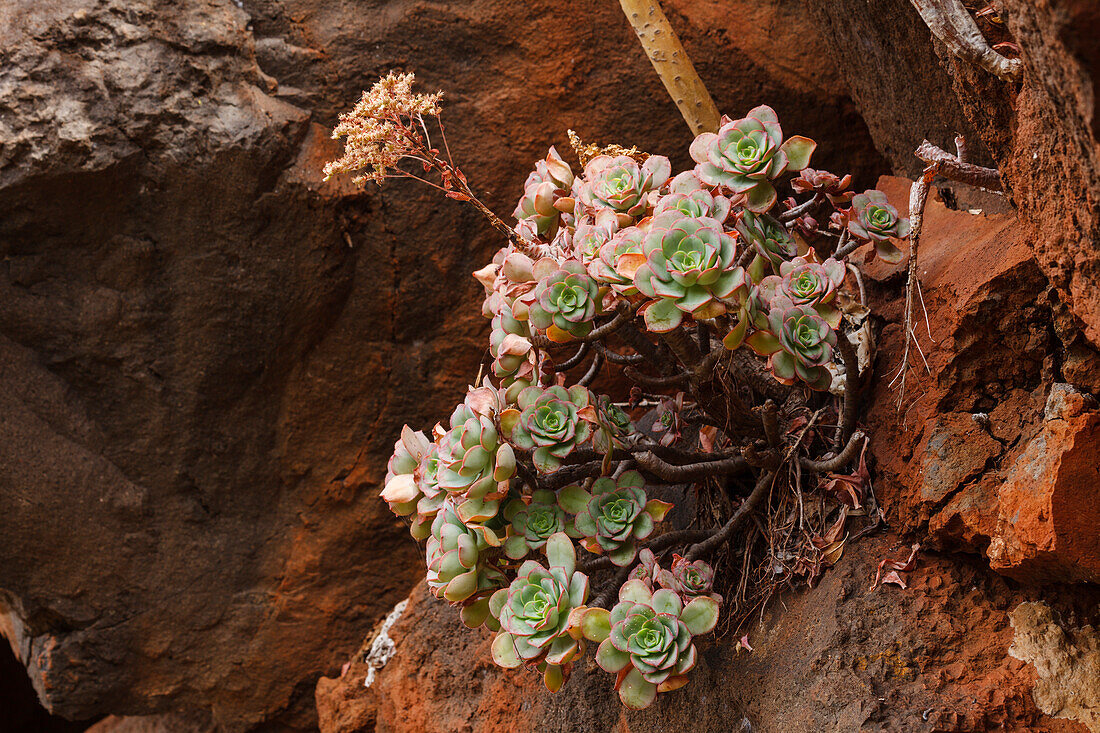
(1043,134)
(838,657)
(206,353)
(994,453)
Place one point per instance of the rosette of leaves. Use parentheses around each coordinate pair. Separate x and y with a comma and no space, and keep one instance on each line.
(534,613)
(646,639)
(614,516)
(873,219)
(753,314)
(550,181)
(620,185)
(647,568)
(828,184)
(613,425)
(619,259)
(746,155)
(588,239)
(401,489)
(769,238)
(690,266)
(533,523)
(550,423)
(807,283)
(798,344)
(474,462)
(688,197)
(688,579)
(566,301)
(512,351)
(455,553)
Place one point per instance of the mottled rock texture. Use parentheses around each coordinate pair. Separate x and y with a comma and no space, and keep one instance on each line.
(206,353)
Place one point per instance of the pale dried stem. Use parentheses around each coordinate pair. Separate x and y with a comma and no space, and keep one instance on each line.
(672,64)
(951,23)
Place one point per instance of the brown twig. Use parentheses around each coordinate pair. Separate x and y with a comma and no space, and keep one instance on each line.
(659,382)
(593,370)
(574,360)
(951,167)
(689,472)
(763,484)
(851,389)
(831,465)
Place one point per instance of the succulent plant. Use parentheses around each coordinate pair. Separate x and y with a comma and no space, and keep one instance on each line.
(689,579)
(511,348)
(688,197)
(614,515)
(807,283)
(410,486)
(588,239)
(619,259)
(532,523)
(454,555)
(566,302)
(550,181)
(550,422)
(401,490)
(746,155)
(768,237)
(649,642)
(824,182)
(613,424)
(872,218)
(798,342)
(622,186)
(534,612)
(473,461)
(647,568)
(689,268)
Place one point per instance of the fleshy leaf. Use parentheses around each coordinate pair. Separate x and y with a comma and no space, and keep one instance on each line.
(560,552)
(701,615)
(635,692)
(573,499)
(657,509)
(798,150)
(504,651)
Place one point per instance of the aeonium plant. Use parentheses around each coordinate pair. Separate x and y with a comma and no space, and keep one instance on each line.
(544,481)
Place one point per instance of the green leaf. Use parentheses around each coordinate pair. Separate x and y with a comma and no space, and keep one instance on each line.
(763,343)
(560,552)
(657,509)
(573,499)
(474,614)
(666,601)
(701,615)
(553,677)
(635,591)
(625,553)
(593,624)
(461,587)
(504,651)
(636,692)
(508,420)
(497,601)
(888,252)
(611,659)
(762,197)
(798,150)
(734,338)
(515,547)
(663,316)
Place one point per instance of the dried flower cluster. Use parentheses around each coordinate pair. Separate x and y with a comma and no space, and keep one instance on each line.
(686,283)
